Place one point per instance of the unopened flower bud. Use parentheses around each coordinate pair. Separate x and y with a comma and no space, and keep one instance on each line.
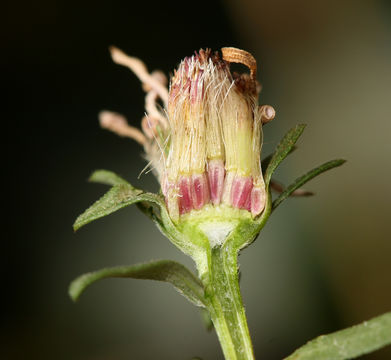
(205,147)
(216,134)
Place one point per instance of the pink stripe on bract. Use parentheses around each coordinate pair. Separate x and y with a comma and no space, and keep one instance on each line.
(241,190)
(216,174)
(258,200)
(185,202)
(199,190)
(247,205)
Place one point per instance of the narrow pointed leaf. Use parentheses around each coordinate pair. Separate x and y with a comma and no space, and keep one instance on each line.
(116,198)
(305,178)
(107,177)
(279,188)
(266,161)
(283,149)
(348,343)
(152,205)
(163,270)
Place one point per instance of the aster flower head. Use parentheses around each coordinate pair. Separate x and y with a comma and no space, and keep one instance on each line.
(205,146)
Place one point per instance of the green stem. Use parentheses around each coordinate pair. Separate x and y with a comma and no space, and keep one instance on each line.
(226,306)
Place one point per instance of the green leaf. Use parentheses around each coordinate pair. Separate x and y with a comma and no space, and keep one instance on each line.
(163,270)
(305,178)
(348,343)
(116,198)
(266,161)
(123,194)
(283,149)
(279,188)
(107,177)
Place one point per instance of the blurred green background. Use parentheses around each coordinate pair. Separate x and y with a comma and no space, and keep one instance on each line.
(320,264)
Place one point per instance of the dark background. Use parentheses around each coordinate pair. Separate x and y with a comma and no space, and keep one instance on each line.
(321,264)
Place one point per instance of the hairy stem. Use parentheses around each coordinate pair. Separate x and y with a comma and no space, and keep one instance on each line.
(226,306)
